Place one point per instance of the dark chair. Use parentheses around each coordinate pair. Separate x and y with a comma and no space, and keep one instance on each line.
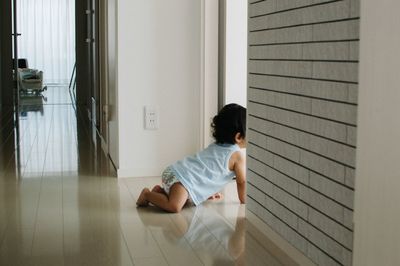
(22,63)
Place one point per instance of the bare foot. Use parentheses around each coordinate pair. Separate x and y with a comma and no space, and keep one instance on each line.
(141,201)
(216,196)
(157,189)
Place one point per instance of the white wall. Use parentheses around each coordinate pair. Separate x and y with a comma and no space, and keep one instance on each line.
(159,64)
(236,52)
(377,211)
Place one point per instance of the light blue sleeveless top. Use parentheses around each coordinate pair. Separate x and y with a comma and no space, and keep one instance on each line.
(206,172)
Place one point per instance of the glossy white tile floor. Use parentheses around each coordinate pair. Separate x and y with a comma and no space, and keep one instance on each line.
(60,204)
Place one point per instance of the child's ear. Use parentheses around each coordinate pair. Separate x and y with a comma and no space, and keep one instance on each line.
(240,140)
(238,137)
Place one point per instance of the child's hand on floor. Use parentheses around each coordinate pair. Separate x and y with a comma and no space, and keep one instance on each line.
(216,196)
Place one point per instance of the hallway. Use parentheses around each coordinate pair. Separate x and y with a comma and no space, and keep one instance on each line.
(60,204)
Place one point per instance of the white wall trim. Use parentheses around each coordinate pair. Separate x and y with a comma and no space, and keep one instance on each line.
(202,76)
(377,183)
(209,68)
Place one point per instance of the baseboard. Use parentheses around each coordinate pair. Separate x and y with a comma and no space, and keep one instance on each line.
(272,241)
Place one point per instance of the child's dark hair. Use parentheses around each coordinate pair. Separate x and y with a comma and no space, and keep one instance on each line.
(229,121)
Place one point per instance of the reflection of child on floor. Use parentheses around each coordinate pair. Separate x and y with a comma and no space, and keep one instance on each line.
(204,174)
(208,231)
(204,230)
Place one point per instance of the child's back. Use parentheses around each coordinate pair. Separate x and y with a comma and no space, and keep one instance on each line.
(207,172)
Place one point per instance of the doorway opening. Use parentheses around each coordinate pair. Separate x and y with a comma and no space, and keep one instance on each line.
(232,53)
(50,52)
(46,53)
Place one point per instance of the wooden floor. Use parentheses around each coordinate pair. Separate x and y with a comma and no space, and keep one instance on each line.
(61,204)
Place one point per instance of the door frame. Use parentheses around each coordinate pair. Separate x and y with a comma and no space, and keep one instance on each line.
(6,53)
(111,87)
(221,53)
(103,76)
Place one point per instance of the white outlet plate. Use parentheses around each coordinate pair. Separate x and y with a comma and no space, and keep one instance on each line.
(150,118)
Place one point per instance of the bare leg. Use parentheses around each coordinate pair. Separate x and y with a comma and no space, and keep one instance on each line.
(142,202)
(177,198)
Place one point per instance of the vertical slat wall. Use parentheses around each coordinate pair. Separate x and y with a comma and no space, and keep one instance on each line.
(302,106)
